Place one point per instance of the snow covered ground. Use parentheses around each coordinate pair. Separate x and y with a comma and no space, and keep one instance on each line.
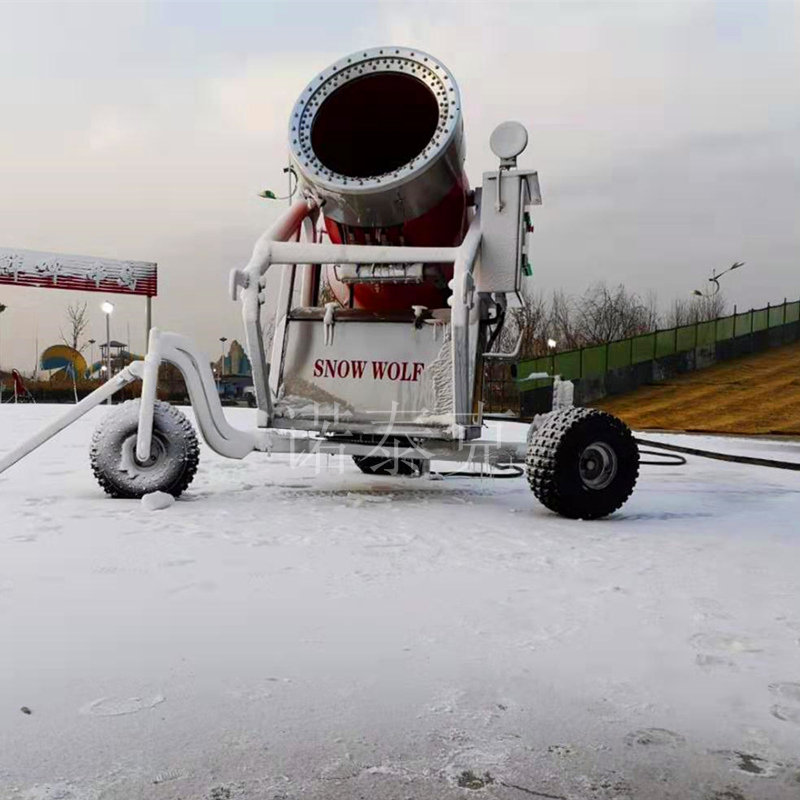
(288,632)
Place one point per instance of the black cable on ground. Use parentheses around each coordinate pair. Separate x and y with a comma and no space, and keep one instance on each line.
(693,451)
(510,471)
(665,459)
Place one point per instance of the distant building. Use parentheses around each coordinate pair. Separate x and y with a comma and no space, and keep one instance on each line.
(234,364)
(233,372)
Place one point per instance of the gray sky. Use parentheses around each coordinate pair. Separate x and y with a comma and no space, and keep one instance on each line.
(665,135)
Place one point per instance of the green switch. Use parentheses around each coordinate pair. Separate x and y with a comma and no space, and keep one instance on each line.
(527,269)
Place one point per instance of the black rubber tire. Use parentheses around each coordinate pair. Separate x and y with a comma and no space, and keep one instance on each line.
(554,463)
(380,465)
(176,452)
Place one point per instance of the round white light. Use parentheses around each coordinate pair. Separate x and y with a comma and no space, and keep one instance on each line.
(551,343)
(508,139)
(107,308)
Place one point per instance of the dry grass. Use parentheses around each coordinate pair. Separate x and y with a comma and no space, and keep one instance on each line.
(758,394)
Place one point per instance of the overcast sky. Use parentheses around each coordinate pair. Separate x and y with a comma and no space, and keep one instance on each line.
(666,135)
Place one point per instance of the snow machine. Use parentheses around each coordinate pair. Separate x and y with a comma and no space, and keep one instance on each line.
(395,280)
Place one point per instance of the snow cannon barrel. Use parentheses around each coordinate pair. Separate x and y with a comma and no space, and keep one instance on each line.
(378,138)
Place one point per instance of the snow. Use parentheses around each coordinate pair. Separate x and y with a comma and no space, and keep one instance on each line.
(296,629)
(157,501)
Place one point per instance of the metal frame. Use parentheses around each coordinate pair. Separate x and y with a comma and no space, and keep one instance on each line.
(275,247)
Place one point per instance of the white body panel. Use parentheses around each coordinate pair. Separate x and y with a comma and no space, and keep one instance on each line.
(366,376)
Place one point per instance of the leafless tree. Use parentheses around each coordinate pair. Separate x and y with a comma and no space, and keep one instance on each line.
(604,314)
(695,309)
(562,321)
(78,322)
(528,322)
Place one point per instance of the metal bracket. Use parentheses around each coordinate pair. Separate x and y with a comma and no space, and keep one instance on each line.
(237,278)
(512,356)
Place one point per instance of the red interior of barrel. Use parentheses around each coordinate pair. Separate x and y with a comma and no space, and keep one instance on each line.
(374,124)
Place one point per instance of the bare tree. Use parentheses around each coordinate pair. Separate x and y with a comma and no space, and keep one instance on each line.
(604,314)
(695,309)
(78,322)
(529,323)
(711,306)
(562,321)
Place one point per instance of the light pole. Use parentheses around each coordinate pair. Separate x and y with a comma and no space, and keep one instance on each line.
(91,355)
(222,340)
(715,276)
(108,309)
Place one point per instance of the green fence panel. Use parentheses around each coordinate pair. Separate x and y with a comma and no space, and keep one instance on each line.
(743,324)
(776,316)
(686,338)
(760,320)
(724,328)
(619,354)
(706,333)
(593,360)
(644,348)
(525,368)
(568,365)
(665,343)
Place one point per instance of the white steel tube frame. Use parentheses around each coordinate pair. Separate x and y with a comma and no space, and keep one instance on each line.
(273,248)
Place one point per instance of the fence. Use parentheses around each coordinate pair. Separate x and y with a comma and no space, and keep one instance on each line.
(589,362)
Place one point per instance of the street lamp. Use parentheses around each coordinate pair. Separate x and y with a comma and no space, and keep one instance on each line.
(92,343)
(551,344)
(715,276)
(108,309)
(222,340)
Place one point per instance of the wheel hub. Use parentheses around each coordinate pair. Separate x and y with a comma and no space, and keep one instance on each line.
(131,464)
(597,465)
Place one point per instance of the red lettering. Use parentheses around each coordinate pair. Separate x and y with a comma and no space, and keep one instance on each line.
(378,370)
(407,371)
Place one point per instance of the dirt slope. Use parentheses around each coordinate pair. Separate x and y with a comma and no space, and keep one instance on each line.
(758,394)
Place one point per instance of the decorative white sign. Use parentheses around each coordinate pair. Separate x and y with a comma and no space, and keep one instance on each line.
(79,273)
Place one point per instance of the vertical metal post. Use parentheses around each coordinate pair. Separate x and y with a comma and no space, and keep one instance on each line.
(108,352)
(152,361)
(148,318)
(784,338)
